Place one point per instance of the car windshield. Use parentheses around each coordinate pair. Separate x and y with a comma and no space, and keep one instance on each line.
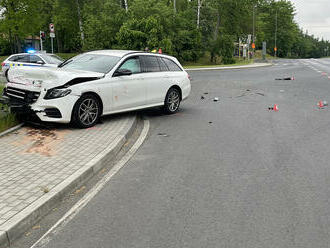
(92,62)
(52,59)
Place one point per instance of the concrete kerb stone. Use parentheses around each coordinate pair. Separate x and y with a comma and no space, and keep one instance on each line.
(20,223)
(3,239)
(13,129)
(256,65)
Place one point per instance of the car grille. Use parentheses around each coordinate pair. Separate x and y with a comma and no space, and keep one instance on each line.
(22,95)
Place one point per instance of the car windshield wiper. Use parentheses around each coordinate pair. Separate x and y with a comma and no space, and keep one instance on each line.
(65,63)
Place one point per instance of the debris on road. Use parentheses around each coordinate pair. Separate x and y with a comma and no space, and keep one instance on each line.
(261,94)
(322,104)
(215,99)
(163,135)
(210,122)
(275,108)
(286,79)
(282,91)
(206,93)
(202,97)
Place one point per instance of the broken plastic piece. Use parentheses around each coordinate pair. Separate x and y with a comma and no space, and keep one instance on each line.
(287,78)
(215,99)
(322,104)
(202,97)
(163,134)
(275,108)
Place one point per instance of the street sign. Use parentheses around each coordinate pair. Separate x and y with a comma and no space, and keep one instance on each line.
(52,35)
(51,28)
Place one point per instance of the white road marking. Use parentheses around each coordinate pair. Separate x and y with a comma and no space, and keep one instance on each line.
(60,224)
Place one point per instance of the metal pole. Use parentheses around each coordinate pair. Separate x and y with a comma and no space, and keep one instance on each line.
(41,45)
(254,30)
(52,45)
(276,35)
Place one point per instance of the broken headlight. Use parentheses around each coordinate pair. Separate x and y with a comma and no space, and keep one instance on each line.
(57,93)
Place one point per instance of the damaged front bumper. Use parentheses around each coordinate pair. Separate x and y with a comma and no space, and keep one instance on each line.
(56,110)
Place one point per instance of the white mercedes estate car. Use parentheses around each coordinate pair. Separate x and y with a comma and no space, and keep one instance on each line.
(98,83)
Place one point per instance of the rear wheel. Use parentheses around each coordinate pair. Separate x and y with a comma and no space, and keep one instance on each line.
(172,101)
(6,75)
(86,111)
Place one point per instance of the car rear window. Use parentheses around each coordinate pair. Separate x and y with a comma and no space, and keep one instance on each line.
(163,66)
(150,64)
(35,59)
(92,62)
(52,59)
(171,65)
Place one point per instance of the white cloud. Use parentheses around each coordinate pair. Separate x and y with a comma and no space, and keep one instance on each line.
(314,16)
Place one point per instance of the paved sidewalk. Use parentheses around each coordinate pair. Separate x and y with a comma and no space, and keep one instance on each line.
(254,65)
(37,164)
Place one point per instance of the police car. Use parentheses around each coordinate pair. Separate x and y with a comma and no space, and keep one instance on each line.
(32,59)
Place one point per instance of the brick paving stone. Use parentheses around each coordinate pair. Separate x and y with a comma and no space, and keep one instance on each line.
(25,168)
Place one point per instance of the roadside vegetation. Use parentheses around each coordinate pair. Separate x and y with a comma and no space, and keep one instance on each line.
(187,29)
(7,119)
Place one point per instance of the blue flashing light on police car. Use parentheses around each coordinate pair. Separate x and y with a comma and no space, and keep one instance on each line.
(31,51)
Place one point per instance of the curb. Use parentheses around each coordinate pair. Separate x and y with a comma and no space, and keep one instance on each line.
(16,226)
(13,129)
(230,67)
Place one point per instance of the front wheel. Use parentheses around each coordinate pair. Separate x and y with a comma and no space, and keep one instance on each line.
(172,101)
(86,111)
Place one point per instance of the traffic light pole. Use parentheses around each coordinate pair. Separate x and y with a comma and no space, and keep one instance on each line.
(52,39)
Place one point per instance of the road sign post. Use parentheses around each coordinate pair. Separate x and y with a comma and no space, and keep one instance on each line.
(52,35)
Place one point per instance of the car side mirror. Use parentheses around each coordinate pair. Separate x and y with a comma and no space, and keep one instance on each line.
(122,72)
(40,62)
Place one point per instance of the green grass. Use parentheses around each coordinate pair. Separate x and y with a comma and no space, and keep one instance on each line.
(66,55)
(7,120)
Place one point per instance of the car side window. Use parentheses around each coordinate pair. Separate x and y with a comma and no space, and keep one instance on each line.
(132,64)
(150,64)
(163,66)
(23,58)
(13,58)
(34,59)
(171,65)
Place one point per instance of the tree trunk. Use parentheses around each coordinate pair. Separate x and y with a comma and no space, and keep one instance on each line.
(126,5)
(80,23)
(174,5)
(199,12)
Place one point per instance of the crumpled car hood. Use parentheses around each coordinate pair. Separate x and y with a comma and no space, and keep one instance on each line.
(34,79)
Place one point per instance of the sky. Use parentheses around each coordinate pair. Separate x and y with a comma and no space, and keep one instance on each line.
(314,16)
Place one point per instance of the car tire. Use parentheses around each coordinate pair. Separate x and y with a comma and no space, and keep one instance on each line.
(6,75)
(172,101)
(86,112)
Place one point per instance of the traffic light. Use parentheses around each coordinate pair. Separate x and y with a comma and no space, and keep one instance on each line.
(42,35)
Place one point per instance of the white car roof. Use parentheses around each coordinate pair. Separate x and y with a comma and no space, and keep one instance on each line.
(117,53)
(122,53)
(29,54)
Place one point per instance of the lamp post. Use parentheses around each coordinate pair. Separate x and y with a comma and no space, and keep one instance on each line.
(275,48)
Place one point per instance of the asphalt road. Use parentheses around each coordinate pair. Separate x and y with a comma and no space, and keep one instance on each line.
(252,178)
